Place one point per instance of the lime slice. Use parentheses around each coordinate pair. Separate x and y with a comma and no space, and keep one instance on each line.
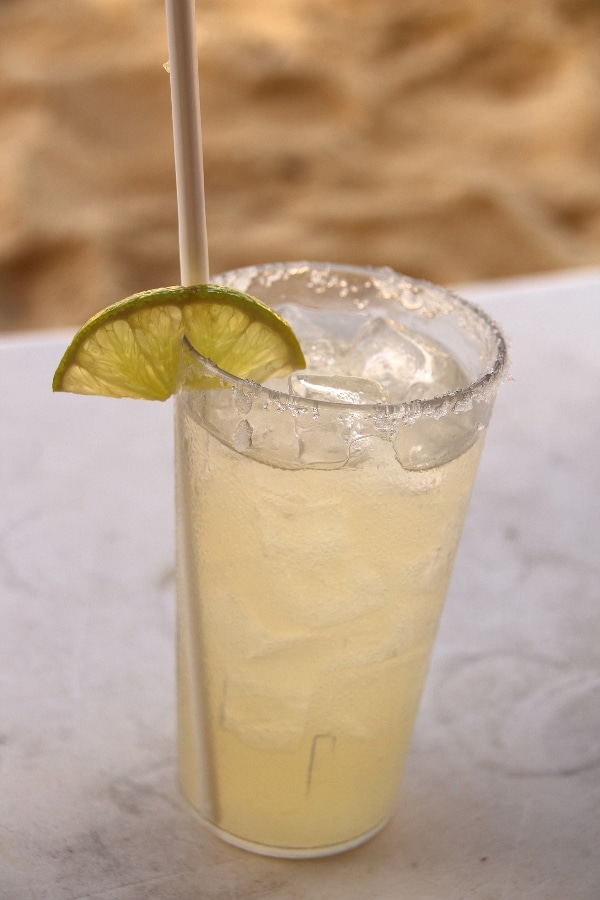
(134,348)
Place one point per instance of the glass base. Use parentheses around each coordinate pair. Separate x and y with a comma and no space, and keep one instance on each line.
(286,852)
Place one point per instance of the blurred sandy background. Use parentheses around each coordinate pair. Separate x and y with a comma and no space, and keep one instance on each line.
(450,140)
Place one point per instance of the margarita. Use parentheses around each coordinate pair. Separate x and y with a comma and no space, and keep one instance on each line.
(318,521)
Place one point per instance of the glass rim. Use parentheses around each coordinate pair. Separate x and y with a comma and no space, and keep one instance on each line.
(458,400)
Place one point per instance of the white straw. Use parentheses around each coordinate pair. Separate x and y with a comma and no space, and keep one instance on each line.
(193,259)
(187,139)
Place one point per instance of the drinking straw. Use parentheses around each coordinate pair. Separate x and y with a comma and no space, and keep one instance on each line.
(187,139)
(193,258)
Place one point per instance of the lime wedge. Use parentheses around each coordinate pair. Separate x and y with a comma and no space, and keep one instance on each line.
(134,348)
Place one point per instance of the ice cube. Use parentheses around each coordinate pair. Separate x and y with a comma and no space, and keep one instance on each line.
(306,325)
(431,442)
(408,365)
(313,323)
(317,584)
(267,432)
(322,448)
(331,436)
(269,716)
(327,356)
(337,388)
(360,701)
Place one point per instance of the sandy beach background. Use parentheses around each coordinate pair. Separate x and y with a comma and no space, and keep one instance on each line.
(450,140)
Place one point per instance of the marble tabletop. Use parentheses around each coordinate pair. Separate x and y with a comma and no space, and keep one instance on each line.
(501,796)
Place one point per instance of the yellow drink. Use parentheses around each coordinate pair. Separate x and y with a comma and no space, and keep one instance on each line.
(310,592)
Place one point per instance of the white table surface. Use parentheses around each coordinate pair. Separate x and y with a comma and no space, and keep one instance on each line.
(501,797)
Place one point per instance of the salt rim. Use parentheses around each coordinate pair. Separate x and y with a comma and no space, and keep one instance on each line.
(433,300)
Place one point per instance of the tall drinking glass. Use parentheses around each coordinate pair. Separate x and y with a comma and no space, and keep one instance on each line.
(318,519)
